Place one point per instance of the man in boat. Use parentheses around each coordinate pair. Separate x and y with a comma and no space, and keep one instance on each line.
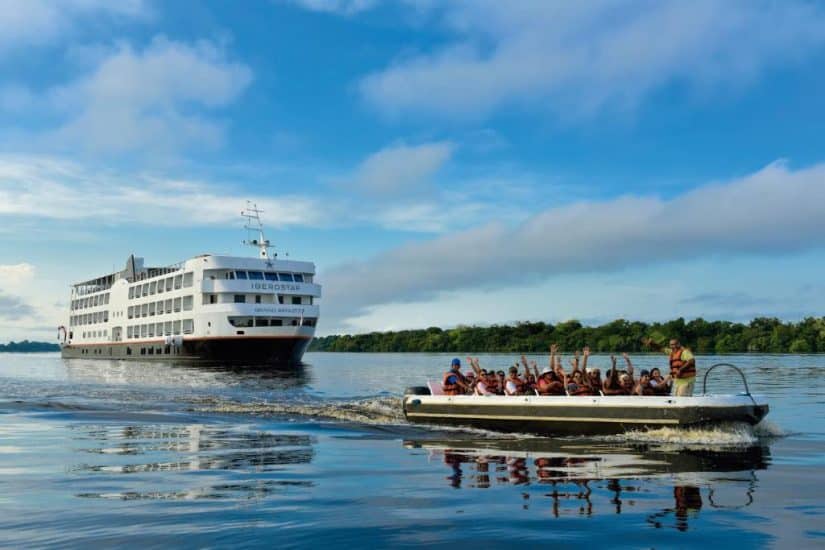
(454,382)
(682,365)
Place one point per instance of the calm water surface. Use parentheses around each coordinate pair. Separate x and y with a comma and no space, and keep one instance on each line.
(156,454)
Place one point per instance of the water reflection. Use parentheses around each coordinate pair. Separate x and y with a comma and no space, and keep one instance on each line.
(583,478)
(229,453)
(186,373)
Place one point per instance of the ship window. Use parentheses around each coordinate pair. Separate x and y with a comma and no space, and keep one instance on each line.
(299,278)
(294,322)
(169,305)
(270,276)
(240,275)
(128,332)
(145,291)
(150,330)
(167,328)
(131,292)
(256,276)
(177,304)
(230,275)
(240,298)
(188,326)
(153,287)
(213,298)
(280,299)
(296,300)
(257,298)
(178,281)
(187,279)
(285,276)
(143,331)
(176,327)
(152,308)
(261,322)
(240,321)
(187,303)
(308,322)
(169,284)
(105,318)
(277,322)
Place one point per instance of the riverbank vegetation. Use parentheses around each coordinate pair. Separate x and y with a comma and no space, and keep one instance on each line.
(761,335)
(26,346)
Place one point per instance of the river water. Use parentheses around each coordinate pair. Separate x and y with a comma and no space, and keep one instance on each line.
(156,454)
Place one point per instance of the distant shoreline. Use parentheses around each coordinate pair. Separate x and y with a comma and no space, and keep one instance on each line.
(761,335)
(28,347)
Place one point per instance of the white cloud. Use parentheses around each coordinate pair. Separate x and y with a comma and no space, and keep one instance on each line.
(13,275)
(578,58)
(772,211)
(50,188)
(25,23)
(340,7)
(149,99)
(401,168)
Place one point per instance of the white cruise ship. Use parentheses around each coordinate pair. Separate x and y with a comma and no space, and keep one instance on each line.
(261,309)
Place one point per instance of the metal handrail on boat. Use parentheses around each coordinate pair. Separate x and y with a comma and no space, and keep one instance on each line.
(734,367)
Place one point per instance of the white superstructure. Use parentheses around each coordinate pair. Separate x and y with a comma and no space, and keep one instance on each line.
(209,306)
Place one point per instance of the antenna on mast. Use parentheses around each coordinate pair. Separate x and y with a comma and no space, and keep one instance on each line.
(253,225)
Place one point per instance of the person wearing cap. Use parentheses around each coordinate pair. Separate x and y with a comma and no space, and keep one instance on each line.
(682,365)
(548,383)
(453,382)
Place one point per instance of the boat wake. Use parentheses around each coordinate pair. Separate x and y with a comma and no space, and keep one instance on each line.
(724,435)
(373,410)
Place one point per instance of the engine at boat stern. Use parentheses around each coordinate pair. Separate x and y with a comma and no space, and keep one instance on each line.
(409,397)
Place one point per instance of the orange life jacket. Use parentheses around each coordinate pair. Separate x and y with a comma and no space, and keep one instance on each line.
(448,387)
(676,363)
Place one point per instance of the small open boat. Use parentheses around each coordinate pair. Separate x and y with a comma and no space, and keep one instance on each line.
(581,415)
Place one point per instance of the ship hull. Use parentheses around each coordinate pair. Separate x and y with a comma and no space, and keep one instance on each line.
(259,350)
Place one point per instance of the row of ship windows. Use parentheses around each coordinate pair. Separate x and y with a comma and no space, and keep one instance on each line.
(91,301)
(164,285)
(89,318)
(94,333)
(168,328)
(161,306)
(271,322)
(266,276)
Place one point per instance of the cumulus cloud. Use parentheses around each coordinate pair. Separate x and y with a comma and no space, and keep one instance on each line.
(582,57)
(25,23)
(401,168)
(50,188)
(13,308)
(773,211)
(150,99)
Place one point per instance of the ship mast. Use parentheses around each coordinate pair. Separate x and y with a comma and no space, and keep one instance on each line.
(253,225)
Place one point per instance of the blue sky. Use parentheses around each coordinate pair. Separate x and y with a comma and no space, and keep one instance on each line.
(441,162)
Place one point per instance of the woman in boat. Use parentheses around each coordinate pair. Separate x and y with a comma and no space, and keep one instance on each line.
(658,383)
(549,384)
(514,385)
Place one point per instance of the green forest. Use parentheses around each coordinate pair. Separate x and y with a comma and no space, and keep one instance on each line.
(26,346)
(761,335)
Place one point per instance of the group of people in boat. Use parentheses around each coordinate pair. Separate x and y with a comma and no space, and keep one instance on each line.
(581,379)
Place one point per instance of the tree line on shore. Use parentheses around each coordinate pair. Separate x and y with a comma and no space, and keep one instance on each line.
(26,346)
(761,335)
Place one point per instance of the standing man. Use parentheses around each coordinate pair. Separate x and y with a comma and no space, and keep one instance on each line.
(682,365)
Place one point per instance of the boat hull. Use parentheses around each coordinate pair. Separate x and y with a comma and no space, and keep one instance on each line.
(566,415)
(275,350)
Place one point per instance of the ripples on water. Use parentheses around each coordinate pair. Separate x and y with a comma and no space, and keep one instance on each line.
(198,455)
